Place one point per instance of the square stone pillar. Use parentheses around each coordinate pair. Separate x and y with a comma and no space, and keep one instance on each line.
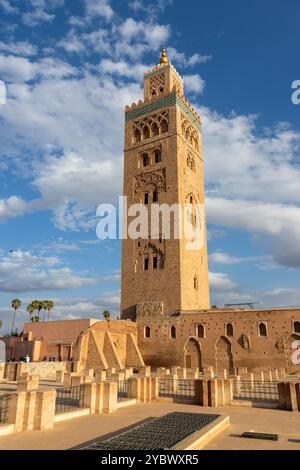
(2,370)
(154,388)
(135,389)
(182,374)
(59,376)
(100,376)
(44,410)
(93,397)
(110,397)
(201,392)
(15,410)
(76,380)
(31,383)
(212,392)
(281,395)
(145,371)
(29,411)
(291,396)
(161,371)
(228,392)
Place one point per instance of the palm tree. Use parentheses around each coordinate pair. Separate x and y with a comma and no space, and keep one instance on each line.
(35,319)
(106,314)
(39,306)
(44,308)
(15,304)
(49,307)
(30,309)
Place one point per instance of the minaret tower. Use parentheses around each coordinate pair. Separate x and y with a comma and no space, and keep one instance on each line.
(163,165)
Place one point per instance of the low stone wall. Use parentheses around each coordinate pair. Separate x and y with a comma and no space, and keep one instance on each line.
(44,370)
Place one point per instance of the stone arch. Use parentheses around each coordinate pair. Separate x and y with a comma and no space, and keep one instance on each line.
(192,353)
(289,351)
(223,354)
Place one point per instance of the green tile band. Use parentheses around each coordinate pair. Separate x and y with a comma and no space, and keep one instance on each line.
(170,100)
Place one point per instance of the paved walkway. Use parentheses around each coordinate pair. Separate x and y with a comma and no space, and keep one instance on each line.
(80,430)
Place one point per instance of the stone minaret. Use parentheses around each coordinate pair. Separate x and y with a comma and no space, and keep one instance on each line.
(163,164)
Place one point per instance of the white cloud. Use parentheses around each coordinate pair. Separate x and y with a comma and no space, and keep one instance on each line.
(153,34)
(12,207)
(22,48)
(281,222)
(8,7)
(24,272)
(183,61)
(123,69)
(101,8)
(194,84)
(220,283)
(15,69)
(38,12)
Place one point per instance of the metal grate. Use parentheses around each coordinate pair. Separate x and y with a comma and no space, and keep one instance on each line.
(176,388)
(123,390)
(255,391)
(3,408)
(69,399)
(159,434)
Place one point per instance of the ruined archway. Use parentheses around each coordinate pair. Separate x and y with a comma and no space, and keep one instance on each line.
(224,358)
(192,354)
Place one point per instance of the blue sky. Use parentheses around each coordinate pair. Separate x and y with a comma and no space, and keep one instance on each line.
(70,68)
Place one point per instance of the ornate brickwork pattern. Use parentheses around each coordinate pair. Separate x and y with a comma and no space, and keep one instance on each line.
(150,179)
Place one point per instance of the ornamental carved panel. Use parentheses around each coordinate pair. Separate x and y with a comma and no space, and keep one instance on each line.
(149,180)
(151,310)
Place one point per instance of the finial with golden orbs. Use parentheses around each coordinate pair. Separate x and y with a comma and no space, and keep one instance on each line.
(164,59)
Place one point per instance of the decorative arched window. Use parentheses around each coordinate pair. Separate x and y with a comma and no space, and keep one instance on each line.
(229,329)
(200,331)
(297,326)
(164,126)
(155,129)
(157,156)
(137,136)
(262,328)
(146,132)
(146,198)
(155,262)
(155,196)
(146,264)
(145,159)
(195,282)
(153,93)
(161,89)
(147,332)
(173,332)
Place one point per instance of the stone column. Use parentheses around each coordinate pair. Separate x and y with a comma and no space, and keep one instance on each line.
(44,410)
(228,394)
(154,388)
(110,397)
(2,369)
(59,377)
(15,410)
(135,389)
(100,376)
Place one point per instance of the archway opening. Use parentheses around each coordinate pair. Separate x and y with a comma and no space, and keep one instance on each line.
(224,359)
(192,354)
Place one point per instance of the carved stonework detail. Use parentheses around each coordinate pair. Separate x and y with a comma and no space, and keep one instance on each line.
(151,310)
(280,345)
(189,132)
(245,341)
(153,179)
